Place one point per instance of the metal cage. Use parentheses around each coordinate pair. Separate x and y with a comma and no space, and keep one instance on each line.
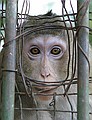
(10,22)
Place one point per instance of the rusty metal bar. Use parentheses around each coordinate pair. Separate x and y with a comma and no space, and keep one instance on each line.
(8,78)
(83,68)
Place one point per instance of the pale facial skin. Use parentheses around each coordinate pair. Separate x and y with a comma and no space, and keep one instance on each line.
(47,57)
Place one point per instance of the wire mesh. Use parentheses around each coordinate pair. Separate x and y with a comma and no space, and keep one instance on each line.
(24,84)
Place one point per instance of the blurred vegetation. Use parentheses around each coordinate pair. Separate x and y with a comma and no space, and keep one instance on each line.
(90,21)
(2,0)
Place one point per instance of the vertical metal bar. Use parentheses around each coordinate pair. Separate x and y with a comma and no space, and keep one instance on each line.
(83,68)
(8,86)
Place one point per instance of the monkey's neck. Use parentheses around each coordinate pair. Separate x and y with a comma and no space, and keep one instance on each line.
(48,100)
(44,115)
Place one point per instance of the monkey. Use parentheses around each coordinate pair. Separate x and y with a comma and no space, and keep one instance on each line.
(43,68)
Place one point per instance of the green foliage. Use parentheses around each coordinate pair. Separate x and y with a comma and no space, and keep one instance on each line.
(90,6)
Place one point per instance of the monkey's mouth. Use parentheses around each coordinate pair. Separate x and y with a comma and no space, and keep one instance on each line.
(46,90)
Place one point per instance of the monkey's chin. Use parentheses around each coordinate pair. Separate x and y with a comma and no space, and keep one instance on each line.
(44,98)
(44,94)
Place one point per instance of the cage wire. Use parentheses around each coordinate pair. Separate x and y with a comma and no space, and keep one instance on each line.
(70,25)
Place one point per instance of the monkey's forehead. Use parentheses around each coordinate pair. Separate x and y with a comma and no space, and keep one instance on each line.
(46,39)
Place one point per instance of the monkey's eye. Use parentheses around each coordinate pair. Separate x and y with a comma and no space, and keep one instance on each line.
(56,50)
(34,50)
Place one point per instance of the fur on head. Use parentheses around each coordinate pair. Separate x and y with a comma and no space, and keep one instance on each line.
(48,23)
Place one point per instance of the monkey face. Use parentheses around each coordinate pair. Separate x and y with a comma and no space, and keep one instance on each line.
(45,59)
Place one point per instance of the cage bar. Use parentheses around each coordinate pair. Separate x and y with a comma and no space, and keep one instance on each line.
(8,78)
(83,68)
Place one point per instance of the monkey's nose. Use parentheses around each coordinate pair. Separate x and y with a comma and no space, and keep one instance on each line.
(44,75)
(45,72)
